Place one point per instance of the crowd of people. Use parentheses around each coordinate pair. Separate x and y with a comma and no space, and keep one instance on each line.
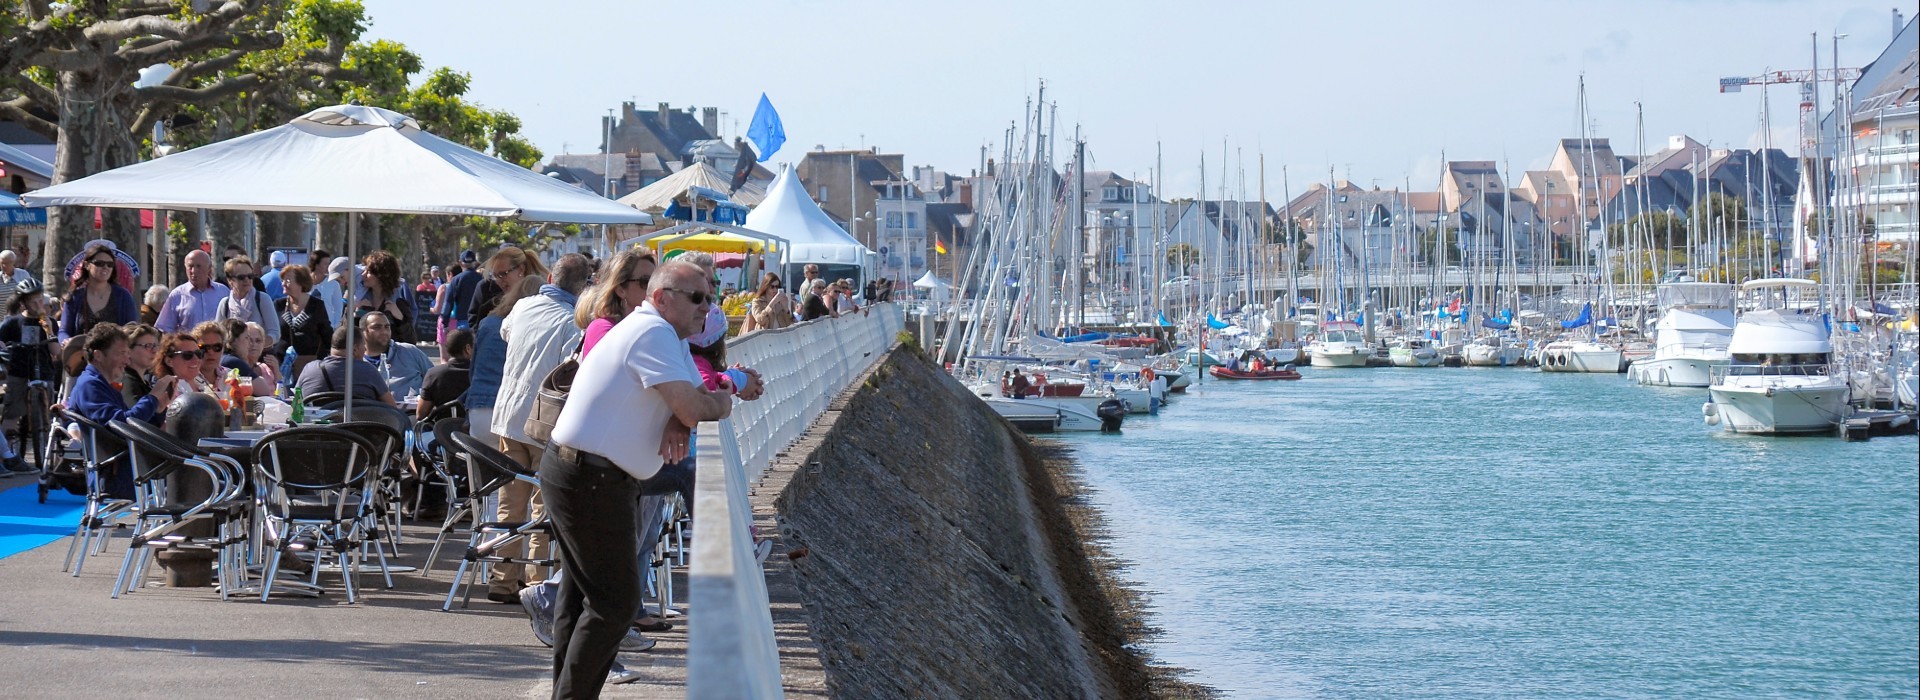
(648,338)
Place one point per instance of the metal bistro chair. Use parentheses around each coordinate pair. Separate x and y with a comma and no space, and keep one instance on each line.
(392,447)
(157,457)
(103,452)
(430,457)
(467,498)
(492,470)
(313,487)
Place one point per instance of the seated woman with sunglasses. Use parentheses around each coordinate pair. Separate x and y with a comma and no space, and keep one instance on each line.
(97,298)
(181,359)
(212,337)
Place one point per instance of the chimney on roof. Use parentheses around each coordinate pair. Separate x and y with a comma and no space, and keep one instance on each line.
(626,110)
(665,115)
(710,118)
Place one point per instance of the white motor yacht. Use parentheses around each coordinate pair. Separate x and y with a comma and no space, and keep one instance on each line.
(1696,324)
(1581,356)
(1780,379)
(1341,344)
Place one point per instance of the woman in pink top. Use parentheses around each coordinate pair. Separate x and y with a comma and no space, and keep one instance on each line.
(622,286)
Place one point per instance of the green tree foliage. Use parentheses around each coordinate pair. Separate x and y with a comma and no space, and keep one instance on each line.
(1445,239)
(1666,231)
(1182,256)
(67,71)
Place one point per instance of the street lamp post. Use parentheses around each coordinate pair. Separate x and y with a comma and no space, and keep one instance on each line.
(157,244)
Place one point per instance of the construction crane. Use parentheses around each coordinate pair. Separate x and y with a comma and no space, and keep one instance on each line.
(1808,80)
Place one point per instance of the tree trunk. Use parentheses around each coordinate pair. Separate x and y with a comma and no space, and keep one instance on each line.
(281,229)
(89,139)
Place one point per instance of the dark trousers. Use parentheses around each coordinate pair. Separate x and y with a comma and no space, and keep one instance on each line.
(592,508)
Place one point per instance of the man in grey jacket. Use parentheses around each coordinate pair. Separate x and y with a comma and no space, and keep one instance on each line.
(540,333)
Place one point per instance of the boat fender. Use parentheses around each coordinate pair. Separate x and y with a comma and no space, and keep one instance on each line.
(1900,421)
(1710,412)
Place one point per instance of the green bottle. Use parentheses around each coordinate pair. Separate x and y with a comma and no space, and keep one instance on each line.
(299,414)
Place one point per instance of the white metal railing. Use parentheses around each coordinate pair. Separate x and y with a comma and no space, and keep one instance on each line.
(731,652)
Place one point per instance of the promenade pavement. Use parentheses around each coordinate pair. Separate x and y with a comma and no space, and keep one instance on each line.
(63,637)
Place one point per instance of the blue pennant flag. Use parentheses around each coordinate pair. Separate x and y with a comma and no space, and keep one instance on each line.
(766,132)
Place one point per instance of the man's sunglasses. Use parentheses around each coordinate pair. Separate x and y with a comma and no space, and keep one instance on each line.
(695,298)
(241,278)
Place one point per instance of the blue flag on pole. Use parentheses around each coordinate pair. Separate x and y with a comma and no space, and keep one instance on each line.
(765,131)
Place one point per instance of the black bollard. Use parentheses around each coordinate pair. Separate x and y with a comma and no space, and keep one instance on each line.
(191,416)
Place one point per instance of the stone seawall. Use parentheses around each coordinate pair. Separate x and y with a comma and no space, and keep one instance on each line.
(934,554)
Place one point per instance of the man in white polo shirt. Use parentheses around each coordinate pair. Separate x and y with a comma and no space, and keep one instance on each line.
(611,434)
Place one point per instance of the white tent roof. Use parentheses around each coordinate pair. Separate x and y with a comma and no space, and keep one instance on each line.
(789,213)
(654,198)
(345,158)
(928,281)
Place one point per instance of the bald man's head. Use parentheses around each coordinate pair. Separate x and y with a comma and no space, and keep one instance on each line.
(199,269)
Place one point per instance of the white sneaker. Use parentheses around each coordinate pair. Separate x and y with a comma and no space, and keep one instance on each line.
(761,549)
(538,615)
(621,675)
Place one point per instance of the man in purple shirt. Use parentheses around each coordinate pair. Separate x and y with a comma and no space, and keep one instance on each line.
(195,302)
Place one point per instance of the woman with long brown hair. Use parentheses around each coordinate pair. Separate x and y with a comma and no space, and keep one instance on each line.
(772,306)
(97,296)
(386,294)
(621,289)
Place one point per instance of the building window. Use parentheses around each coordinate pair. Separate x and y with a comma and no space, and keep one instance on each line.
(1109,194)
(893,219)
(823,193)
(912,220)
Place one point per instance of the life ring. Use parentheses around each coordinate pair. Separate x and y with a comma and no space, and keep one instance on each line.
(1147,374)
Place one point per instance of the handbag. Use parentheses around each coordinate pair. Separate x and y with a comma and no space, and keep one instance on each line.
(551,397)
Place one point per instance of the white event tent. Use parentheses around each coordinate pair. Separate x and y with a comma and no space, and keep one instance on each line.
(340,159)
(789,213)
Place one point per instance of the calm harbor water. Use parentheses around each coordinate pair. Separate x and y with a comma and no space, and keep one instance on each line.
(1487,532)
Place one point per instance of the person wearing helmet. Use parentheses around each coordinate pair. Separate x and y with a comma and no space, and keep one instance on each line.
(27,347)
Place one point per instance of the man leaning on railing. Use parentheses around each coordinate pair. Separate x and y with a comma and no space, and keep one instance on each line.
(612,434)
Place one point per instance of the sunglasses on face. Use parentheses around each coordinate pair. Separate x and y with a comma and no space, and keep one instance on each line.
(693,297)
(240,278)
(213,348)
(641,280)
(104,264)
(185,354)
(147,346)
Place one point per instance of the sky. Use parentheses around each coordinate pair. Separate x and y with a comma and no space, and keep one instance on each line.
(1374,92)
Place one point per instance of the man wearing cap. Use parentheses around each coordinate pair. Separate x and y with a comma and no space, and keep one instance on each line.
(270,281)
(460,290)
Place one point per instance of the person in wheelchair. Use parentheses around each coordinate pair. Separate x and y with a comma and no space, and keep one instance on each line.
(27,345)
